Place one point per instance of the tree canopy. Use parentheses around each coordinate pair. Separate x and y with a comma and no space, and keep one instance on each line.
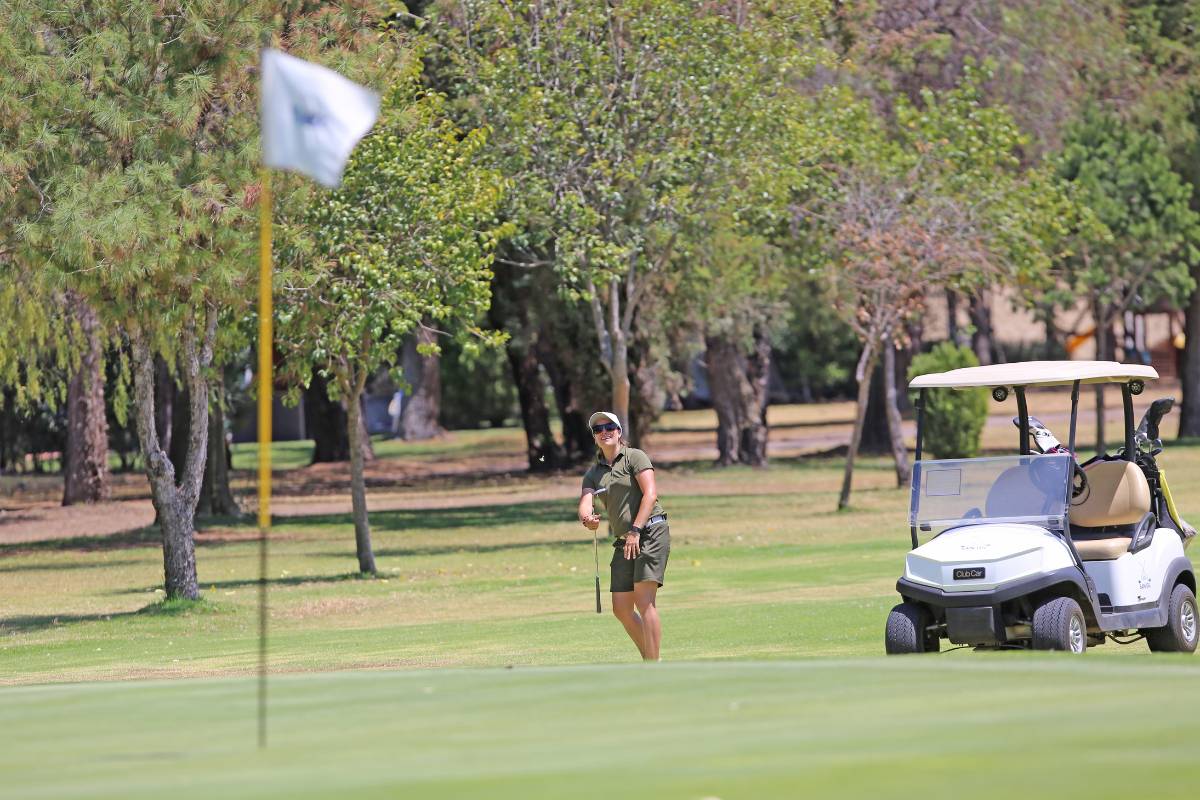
(406,242)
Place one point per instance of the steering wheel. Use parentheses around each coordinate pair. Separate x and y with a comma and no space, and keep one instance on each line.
(1079,482)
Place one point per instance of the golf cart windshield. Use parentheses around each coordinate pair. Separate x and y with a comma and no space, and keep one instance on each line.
(1032,489)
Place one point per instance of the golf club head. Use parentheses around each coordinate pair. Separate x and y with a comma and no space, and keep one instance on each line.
(1043,439)
(1153,416)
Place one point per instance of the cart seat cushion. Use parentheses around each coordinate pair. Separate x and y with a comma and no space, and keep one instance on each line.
(1117,494)
(1100,548)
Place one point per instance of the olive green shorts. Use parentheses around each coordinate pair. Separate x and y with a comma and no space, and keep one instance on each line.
(650,564)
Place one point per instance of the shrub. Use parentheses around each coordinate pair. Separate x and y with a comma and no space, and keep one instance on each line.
(953,417)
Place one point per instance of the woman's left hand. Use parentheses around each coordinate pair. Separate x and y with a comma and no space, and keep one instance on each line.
(632,545)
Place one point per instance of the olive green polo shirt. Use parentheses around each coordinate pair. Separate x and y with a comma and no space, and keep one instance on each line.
(624,496)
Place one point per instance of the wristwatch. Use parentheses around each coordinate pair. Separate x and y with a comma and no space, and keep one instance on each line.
(636,529)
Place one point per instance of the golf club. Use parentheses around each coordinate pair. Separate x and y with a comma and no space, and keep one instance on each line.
(596,549)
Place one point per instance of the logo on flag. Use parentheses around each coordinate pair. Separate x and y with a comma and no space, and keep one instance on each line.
(311,117)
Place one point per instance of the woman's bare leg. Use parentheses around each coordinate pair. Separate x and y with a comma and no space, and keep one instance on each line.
(624,609)
(644,595)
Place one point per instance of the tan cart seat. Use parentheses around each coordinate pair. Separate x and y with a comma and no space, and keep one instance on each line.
(1117,494)
(1100,548)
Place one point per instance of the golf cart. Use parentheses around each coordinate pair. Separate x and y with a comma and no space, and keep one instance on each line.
(1036,551)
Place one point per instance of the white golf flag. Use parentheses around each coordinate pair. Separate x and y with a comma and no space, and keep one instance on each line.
(311,117)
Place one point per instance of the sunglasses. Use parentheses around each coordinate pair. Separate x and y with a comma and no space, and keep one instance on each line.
(608,426)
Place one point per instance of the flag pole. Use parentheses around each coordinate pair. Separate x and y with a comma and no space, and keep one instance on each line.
(266,385)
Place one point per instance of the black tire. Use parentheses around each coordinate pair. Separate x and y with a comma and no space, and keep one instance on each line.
(1059,624)
(907,630)
(1180,633)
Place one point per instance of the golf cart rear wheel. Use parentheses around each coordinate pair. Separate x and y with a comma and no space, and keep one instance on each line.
(1059,624)
(908,630)
(1179,634)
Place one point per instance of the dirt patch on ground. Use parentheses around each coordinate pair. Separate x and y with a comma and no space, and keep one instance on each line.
(41,521)
(325,607)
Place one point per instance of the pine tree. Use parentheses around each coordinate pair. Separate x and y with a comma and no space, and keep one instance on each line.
(129,133)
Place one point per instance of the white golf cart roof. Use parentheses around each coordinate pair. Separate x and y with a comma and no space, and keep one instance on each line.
(1035,373)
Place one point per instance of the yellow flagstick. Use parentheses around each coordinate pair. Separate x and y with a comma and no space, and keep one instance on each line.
(266,385)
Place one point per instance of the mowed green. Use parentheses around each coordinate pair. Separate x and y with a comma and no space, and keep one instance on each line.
(773,683)
(934,727)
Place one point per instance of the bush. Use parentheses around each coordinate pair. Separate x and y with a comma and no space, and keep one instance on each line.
(953,417)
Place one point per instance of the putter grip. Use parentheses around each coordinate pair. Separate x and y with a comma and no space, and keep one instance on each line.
(598,611)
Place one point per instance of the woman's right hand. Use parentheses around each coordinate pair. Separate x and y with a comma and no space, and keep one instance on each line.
(590,521)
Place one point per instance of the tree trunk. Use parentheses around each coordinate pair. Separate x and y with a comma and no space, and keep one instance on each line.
(567,350)
(865,370)
(6,416)
(954,333)
(177,445)
(419,418)
(175,497)
(616,355)
(720,358)
(895,423)
(1189,413)
(216,496)
(325,420)
(511,311)
(619,403)
(86,454)
(164,402)
(981,339)
(541,450)
(738,384)
(646,394)
(577,442)
(358,480)
(756,432)
(1102,354)
(364,439)
(876,436)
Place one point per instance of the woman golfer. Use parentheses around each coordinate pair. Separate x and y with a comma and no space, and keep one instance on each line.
(642,540)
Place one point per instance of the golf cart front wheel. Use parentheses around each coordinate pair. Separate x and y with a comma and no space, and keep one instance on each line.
(1179,634)
(908,630)
(1059,624)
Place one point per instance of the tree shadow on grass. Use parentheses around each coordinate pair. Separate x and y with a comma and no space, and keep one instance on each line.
(208,534)
(135,537)
(38,567)
(30,623)
(285,580)
(456,549)
(482,516)
(40,622)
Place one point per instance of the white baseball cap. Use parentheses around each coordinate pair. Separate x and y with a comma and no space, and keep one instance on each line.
(600,417)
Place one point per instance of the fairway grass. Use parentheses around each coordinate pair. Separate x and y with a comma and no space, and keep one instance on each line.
(928,727)
(762,567)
